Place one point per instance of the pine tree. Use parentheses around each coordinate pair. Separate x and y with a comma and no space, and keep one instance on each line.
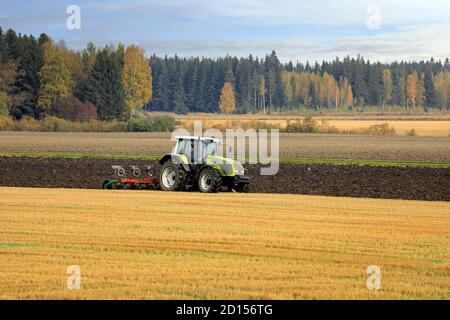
(262,93)
(3,48)
(430,92)
(104,86)
(287,87)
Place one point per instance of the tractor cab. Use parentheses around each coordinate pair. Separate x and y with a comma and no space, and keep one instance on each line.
(196,149)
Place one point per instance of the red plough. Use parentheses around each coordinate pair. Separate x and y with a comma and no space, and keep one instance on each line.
(138,181)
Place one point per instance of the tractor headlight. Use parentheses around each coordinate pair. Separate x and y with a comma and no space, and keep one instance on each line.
(238,169)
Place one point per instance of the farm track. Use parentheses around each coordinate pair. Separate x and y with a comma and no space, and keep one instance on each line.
(319,179)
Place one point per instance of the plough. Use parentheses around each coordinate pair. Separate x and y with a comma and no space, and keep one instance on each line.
(138,180)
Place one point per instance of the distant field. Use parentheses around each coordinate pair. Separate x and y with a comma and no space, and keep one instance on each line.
(155,245)
(293,147)
(422,127)
(432,116)
(425,124)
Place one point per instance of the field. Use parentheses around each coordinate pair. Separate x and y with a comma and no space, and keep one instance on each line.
(389,182)
(285,240)
(157,245)
(292,146)
(424,124)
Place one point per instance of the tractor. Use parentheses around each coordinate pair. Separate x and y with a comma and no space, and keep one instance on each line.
(193,164)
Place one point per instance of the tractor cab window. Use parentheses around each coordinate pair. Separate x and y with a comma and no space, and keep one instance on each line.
(185,147)
(209,148)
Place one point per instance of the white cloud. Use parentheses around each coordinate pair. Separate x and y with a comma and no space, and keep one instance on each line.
(324,12)
(407,43)
(297,30)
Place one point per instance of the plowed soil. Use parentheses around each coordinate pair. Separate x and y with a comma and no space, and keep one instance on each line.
(330,180)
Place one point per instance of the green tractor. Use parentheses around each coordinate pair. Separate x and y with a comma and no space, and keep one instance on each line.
(194,164)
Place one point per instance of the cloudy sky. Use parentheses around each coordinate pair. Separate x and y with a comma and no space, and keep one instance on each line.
(297,29)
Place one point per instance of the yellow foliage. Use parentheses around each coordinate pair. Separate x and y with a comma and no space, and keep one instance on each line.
(55,77)
(136,79)
(227,100)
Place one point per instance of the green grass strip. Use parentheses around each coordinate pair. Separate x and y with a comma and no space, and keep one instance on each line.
(137,156)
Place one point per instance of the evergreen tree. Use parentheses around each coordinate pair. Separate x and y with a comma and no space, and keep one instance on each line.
(104,86)
(3,48)
(430,92)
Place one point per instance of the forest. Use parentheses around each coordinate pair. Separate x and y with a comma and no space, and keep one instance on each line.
(40,77)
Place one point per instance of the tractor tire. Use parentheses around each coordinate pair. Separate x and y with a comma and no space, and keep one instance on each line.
(242,188)
(172,177)
(209,181)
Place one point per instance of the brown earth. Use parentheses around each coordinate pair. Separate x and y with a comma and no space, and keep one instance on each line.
(330,180)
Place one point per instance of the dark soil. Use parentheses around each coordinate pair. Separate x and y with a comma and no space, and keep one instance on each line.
(349,181)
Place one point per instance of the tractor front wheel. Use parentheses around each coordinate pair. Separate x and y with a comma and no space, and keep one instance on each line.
(209,180)
(242,188)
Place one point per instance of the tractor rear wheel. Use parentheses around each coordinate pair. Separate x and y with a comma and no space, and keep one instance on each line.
(171,177)
(209,180)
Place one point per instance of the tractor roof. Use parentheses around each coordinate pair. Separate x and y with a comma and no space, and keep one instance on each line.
(196,138)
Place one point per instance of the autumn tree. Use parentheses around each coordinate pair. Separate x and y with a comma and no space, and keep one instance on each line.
(420,92)
(442,87)
(411,89)
(348,95)
(227,100)
(4,111)
(136,79)
(302,88)
(288,93)
(71,108)
(55,78)
(387,86)
(74,63)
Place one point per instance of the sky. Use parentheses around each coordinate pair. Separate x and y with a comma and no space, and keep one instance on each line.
(298,30)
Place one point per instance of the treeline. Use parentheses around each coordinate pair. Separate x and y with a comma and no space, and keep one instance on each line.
(262,85)
(40,78)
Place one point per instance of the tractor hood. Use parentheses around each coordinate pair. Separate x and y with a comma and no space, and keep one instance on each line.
(231,167)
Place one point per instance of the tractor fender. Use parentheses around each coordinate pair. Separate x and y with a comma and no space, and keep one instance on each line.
(176,159)
(214,166)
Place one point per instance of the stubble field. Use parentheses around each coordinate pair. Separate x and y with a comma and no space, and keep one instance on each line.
(292,146)
(437,124)
(156,245)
